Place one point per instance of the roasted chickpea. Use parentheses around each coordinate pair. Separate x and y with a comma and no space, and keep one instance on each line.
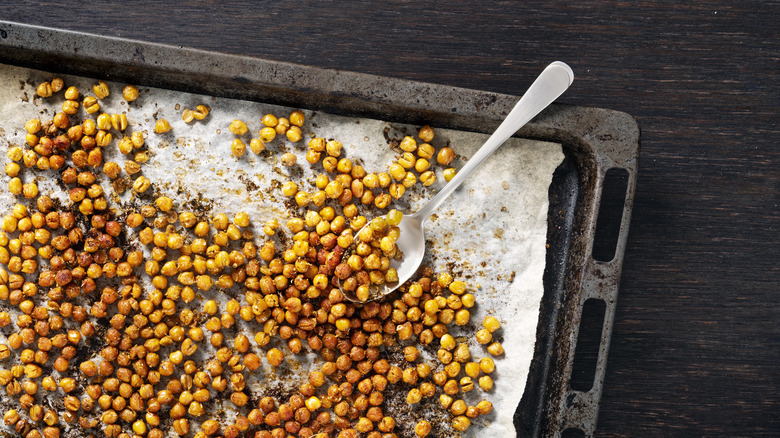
(297,118)
(256,145)
(101,90)
(44,89)
(422,428)
(161,126)
(289,159)
(238,148)
(449,173)
(495,349)
(130,93)
(238,127)
(200,112)
(491,324)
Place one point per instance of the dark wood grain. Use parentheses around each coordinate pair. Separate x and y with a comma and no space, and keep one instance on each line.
(696,343)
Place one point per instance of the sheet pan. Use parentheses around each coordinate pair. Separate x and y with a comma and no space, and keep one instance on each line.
(594,141)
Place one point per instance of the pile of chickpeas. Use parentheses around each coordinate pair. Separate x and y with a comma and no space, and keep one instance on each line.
(116,340)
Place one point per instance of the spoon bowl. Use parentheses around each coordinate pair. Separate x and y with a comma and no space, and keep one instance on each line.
(550,84)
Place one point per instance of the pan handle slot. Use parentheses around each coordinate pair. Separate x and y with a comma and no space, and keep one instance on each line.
(586,353)
(610,215)
(573,433)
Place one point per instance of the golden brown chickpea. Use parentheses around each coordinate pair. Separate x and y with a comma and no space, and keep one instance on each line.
(453,369)
(200,112)
(70,107)
(256,145)
(486,383)
(131,167)
(275,357)
(486,365)
(408,144)
(12,169)
(267,134)
(91,106)
(141,184)
(451,387)
(162,126)
(44,89)
(30,190)
(472,370)
(407,160)
(484,336)
(449,173)
(11,417)
(495,349)
(241,219)
(210,427)
(333,148)
(461,423)
(421,165)
(111,169)
(364,425)
(238,127)
(130,93)
(484,407)
(466,384)
(103,122)
(269,120)
(119,121)
(413,396)
(462,353)
(238,148)
(294,134)
(491,324)
(425,134)
(458,407)
(411,353)
(422,428)
(101,90)
(317,378)
(445,401)
(297,118)
(187,115)
(462,317)
(282,126)
(445,156)
(289,188)
(57,84)
(288,159)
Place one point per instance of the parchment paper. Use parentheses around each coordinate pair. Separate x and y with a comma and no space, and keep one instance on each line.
(491,233)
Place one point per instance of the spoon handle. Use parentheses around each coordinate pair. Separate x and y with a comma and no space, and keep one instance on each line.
(550,84)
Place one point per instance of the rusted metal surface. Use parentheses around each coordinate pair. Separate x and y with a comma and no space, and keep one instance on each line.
(594,141)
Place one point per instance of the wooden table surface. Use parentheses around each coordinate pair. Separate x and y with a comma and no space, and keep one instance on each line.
(696,343)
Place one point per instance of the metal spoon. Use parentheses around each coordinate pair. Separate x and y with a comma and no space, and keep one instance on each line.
(550,84)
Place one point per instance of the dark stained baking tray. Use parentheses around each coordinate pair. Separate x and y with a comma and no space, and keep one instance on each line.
(601,149)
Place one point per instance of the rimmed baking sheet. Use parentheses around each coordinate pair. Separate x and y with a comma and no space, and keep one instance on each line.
(592,142)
